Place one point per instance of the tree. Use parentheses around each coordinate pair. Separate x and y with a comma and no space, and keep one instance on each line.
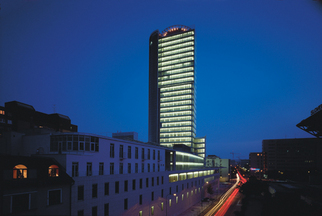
(210,190)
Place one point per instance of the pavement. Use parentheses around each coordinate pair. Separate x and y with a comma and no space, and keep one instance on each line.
(199,207)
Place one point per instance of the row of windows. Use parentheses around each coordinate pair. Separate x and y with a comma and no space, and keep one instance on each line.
(176,76)
(176,140)
(126,186)
(181,65)
(176,36)
(182,113)
(177,87)
(175,124)
(175,98)
(140,199)
(176,72)
(199,140)
(102,171)
(123,154)
(178,134)
(190,175)
(176,46)
(176,129)
(73,146)
(184,157)
(199,145)
(171,119)
(186,49)
(189,91)
(20,171)
(176,61)
(199,150)
(154,182)
(176,103)
(180,55)
(191,38)
(188,79)
(179,108)
(74,138)
(19,203)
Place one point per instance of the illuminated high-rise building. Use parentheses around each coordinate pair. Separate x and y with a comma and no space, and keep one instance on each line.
(172,109)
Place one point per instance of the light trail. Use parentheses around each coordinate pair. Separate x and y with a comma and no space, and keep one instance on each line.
(242,179)
(223,198)
(222,211)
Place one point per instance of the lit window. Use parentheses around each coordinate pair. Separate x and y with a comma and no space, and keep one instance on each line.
(53,171)
(20,171)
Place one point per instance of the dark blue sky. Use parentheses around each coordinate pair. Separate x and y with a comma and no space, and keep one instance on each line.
(259,66)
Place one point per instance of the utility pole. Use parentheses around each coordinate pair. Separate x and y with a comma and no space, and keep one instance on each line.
(232,154)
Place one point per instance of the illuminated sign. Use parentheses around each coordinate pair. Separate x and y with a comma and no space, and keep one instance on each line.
(254,169)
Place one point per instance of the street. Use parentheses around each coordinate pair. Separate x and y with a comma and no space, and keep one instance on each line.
(235,205)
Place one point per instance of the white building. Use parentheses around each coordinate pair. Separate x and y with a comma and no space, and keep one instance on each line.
(120,177)
(172,89)
(222,164)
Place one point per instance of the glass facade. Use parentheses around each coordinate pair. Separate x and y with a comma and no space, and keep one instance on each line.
(172,88)
(176,83)
(199,146)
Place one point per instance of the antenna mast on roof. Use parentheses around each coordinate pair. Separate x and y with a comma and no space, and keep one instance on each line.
(54,107)
(233,154)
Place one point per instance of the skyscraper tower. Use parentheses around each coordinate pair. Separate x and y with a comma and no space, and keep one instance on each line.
(172,110)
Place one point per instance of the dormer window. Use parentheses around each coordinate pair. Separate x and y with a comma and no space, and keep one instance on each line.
(53,171)
(20,171)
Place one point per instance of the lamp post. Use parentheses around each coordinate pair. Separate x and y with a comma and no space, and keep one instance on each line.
(166,204)
(202,192)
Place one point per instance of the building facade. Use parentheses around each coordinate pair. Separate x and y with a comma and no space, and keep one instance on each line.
(297,159)
(23,118)
(222,164)
(256,164)
(172,88)
(110,176)
(121,177)
(34,186)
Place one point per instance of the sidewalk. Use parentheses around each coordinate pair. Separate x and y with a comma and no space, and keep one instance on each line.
(199,207)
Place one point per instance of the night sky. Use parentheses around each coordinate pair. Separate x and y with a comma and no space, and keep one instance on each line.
(258,63)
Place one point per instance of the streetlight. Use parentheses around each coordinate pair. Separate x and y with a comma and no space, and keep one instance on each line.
(166,204)
(202,193)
